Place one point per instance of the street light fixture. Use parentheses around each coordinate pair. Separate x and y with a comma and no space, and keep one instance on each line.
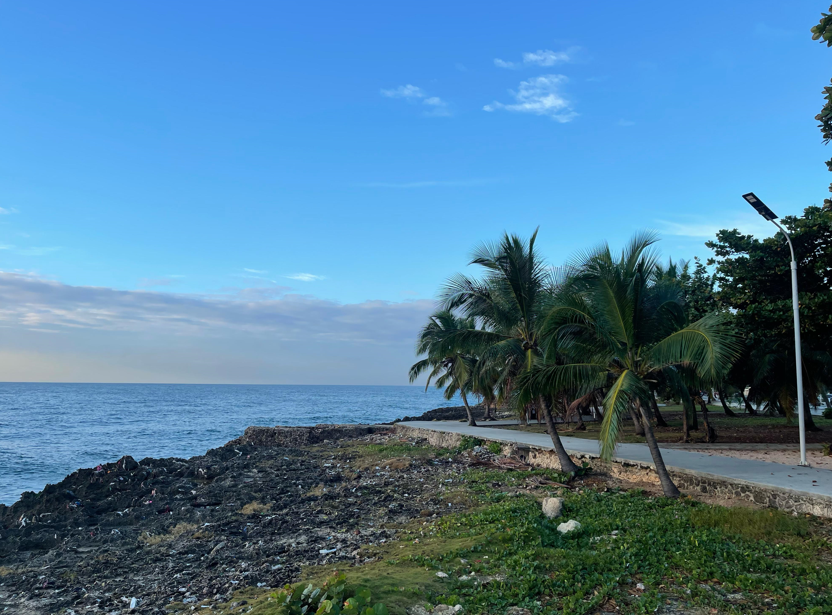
(769,215)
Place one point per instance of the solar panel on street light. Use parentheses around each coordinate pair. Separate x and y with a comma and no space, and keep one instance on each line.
(761,207)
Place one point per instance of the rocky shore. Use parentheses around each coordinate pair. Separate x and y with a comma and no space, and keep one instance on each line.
(138,536)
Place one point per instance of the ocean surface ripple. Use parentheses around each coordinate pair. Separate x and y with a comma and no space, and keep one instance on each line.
(50,430)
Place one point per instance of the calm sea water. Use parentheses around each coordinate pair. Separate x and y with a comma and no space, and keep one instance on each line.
(49,430)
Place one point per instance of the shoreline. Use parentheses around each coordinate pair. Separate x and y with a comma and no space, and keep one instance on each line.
(220,532)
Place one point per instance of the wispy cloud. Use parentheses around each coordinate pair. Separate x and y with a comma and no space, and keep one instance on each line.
(260,271)
(7,210)
(539,96)
(404,91)
(700,227)
(436,107)
(30,301)
(541,57)
(462,183)
(57,332)
(306,277)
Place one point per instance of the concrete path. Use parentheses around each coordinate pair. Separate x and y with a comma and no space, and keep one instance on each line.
(807,480)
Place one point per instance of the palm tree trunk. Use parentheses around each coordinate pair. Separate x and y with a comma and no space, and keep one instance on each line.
(685,424)
(660,422)
(691,409)
(748,407)
(710,434)
(807,417)
(566,464)
(636,423)
(725,408)
(471,421)
(669,489)
(488,416)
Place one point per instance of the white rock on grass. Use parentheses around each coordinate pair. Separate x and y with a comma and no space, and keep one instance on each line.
(569,526)
(442,575)
(446,609)
(552,507)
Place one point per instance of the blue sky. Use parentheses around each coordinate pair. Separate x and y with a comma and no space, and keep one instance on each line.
(346,157)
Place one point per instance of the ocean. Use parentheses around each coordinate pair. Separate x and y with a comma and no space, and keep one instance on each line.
(49,430)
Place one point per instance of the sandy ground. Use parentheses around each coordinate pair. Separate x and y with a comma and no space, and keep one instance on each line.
(786,456)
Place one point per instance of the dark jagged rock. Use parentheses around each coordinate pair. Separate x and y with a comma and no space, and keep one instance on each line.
(249,513)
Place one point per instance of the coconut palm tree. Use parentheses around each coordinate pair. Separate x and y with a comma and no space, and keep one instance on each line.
(449,365)
(617,325)
(509,302)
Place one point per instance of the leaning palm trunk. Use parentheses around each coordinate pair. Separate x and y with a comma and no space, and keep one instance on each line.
(488,416)
(748,407)
(636,423)
(471,421)
(566,464)
(725,408)
(660,422)
(710,433)
(668,488)
(807,417)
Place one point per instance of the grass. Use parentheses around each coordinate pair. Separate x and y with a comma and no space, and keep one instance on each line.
(682,552)
(751,523)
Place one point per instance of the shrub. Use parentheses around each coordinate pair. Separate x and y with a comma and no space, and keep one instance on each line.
(331,599)
(466,443)
(495,447)
(827,413)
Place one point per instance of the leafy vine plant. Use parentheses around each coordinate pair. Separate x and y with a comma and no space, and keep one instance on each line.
(334,598)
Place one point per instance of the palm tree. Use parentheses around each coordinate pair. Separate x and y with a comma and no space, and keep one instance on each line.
(617,325)
(448,364)
(509,302)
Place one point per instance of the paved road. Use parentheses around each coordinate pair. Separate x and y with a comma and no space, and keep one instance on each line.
(808,480)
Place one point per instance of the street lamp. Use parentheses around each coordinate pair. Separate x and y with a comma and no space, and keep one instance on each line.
(769,215)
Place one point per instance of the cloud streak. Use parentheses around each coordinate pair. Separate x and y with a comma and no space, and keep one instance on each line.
(58,332)
(541,57)
(436,107)
(306,277)
(539,96)
(33,302)
(749,224)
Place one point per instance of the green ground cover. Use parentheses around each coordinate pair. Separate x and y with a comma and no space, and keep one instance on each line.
(634,553)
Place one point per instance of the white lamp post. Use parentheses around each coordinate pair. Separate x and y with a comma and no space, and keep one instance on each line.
(769,215)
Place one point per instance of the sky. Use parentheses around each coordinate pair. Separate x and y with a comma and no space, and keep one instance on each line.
(268,192)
